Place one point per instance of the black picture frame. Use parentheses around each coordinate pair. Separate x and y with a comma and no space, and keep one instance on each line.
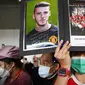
(23,49)
(74,16)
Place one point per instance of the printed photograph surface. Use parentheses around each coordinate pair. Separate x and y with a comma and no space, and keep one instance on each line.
(77,22)
(41,24)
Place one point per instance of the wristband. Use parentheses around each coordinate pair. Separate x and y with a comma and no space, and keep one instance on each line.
(63,72)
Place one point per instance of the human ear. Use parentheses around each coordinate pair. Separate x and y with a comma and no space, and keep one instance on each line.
(33,16)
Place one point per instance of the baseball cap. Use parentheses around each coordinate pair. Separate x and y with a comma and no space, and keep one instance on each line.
(9,52)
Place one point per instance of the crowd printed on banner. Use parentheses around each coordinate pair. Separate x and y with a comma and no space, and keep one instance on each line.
(78,17)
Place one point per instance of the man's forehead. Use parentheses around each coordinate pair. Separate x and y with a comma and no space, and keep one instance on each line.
(47,56)
(42,9)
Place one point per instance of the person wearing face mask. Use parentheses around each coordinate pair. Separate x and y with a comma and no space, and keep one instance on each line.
(56,74)
(11,67)
(3,73)
(48,67)
(45,72)
(53,68)
(78,69)
(76,61)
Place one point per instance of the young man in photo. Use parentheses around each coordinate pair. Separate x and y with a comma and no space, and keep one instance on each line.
(44,34)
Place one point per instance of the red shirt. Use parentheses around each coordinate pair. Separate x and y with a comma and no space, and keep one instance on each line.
(73,81)
(22,79)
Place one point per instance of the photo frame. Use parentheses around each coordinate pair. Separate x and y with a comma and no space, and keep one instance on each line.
(74,16)
(49,43)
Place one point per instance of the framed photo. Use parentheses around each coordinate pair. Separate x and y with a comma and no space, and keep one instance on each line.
(74,15)
(41,26)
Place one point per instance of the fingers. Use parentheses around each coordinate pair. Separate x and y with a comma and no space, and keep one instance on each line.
(61,52)
(65,47)
(58,47)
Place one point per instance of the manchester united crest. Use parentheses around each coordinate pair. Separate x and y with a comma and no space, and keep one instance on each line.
(53,39)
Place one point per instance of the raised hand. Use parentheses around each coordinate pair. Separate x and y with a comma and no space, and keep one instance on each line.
(62,54)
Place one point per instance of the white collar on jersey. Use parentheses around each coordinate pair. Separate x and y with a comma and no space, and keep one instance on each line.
(76,80)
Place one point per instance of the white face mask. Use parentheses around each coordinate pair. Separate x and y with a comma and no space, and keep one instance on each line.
(43,71)
(4,73)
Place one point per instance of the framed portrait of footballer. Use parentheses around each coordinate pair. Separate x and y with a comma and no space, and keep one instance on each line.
(74,15)
(41,26)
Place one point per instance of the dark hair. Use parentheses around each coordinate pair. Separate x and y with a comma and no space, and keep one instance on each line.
(41,4)
(77,53)
(54,59)
(73,71)
(17,62)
